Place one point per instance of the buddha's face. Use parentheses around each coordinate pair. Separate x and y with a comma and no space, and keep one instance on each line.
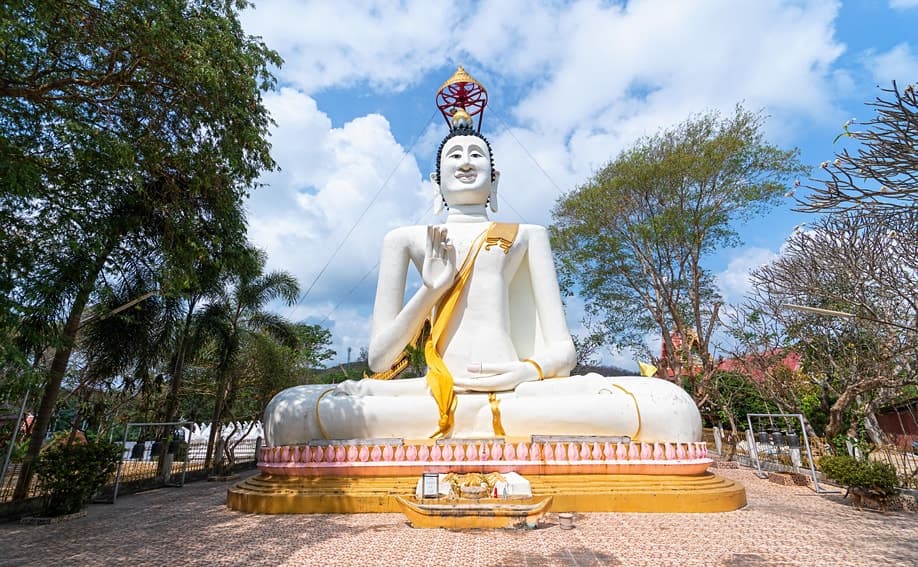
(465,171)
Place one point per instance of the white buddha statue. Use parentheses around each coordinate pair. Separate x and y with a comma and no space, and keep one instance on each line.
(500,352)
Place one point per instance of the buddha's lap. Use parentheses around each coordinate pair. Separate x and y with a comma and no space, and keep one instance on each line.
(647,408)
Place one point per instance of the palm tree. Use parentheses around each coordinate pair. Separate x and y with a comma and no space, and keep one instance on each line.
(237,316)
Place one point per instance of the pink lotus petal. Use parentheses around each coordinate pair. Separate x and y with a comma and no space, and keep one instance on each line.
(522,451)
(560,452)
(634,452)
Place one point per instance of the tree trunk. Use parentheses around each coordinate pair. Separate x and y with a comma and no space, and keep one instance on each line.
(872,426)
(178,367)
(732,437)
(215,422)
(55,377)
(844,401)
(222,390)
(223,408)
(811,433)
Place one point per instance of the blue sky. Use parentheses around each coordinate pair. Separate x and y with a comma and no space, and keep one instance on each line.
(570,84)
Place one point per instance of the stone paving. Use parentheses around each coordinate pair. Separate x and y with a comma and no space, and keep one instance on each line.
(782,525)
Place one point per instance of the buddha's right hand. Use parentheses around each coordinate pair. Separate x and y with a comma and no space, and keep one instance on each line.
(498,377)
(439,269)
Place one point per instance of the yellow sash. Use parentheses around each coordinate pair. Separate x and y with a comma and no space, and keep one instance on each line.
(439,378)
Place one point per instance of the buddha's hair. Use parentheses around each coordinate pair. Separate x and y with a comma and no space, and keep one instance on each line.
(464,131)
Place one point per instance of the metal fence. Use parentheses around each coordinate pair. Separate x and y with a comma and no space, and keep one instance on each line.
(775,453)
(146,469)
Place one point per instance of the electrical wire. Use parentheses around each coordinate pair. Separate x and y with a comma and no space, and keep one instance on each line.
(365,210)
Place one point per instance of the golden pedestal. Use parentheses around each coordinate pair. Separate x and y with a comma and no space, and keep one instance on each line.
(277,494)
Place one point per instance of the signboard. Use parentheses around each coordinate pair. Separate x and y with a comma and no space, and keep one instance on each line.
(430,485)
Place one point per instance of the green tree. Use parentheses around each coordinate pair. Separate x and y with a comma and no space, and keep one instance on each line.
(733,395)
(313,350)
(237,317)
(760,348)
(130,132)
(157,338)
(634,238)
(264,367)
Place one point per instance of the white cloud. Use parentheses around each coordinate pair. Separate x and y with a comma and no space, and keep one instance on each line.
(734,281)
(328,179)
(627,71)
(584,79)
(576,82)
(899,63)
(903,4)
(580,62)
(324,44)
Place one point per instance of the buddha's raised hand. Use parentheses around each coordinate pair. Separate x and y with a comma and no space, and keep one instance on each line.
(439,269)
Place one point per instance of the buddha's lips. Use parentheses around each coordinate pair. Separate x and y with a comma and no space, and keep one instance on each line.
(467,176)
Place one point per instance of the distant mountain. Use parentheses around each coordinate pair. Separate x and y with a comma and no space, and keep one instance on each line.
(580,370)
(339,372)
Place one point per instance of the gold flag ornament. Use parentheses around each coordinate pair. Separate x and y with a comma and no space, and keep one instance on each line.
(647,370)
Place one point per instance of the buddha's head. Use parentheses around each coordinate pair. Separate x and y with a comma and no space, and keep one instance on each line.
(465,172)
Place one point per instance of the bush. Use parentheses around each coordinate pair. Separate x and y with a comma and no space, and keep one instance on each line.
(864,474)
(71,474)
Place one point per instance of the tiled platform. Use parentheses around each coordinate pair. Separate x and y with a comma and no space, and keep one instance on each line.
(782,525)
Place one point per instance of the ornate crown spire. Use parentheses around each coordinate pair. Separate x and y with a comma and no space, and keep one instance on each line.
(460,98)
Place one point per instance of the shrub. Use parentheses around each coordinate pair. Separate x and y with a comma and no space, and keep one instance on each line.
(865,474)
(71,474)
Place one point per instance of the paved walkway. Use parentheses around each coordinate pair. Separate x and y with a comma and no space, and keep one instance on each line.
(782,525)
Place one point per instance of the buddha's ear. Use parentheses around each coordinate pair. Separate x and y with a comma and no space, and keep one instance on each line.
(438,197)
(493,197)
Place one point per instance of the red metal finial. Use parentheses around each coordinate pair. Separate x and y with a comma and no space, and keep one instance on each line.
(461,91)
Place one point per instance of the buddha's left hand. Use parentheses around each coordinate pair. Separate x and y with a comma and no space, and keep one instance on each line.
(497,377)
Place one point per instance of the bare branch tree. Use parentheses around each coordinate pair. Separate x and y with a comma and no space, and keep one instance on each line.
(882,176)
(855,264)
